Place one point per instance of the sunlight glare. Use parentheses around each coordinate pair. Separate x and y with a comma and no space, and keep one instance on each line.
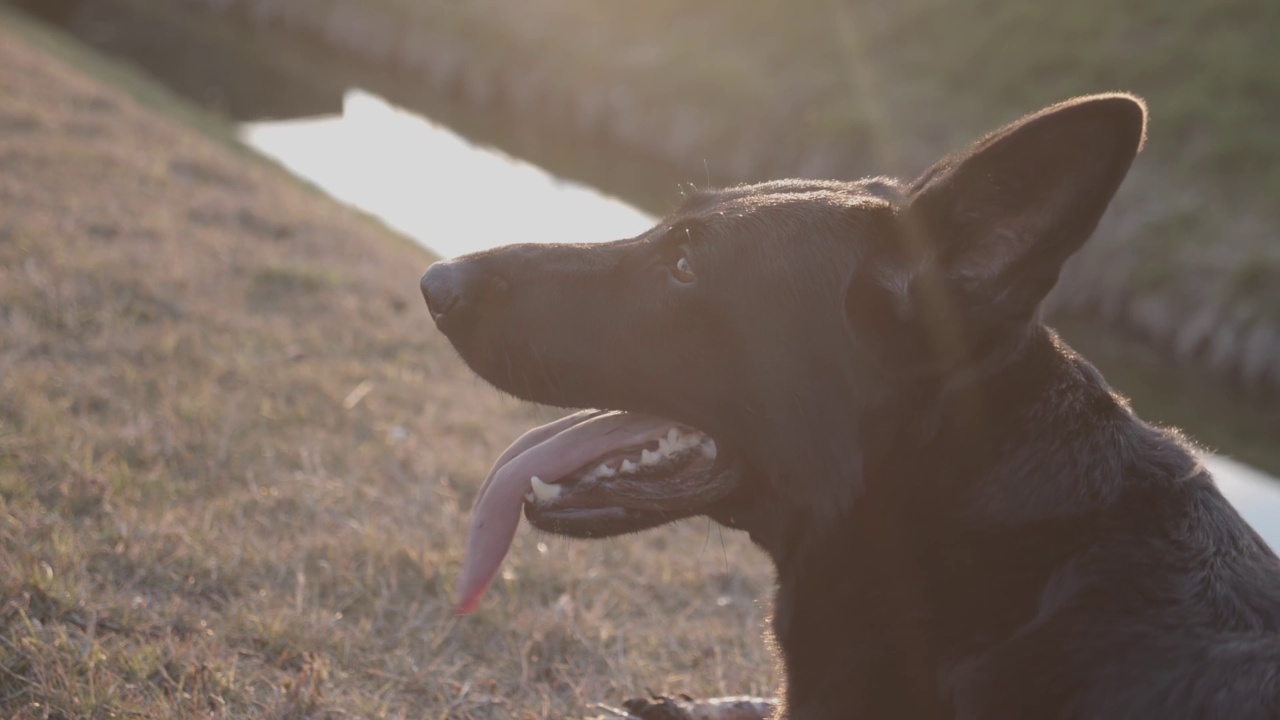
(430,183)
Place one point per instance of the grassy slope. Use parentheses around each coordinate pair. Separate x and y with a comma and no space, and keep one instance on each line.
(235,462)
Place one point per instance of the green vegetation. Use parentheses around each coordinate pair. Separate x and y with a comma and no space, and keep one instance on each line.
(890,74)
(134,84)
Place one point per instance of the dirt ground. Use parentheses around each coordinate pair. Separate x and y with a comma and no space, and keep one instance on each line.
(236,459)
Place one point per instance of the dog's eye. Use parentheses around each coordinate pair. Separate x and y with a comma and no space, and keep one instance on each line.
(682,270)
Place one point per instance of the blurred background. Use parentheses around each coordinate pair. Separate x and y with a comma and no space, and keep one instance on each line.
(466,125)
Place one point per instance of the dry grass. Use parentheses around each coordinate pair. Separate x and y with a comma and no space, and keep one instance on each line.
(235,460)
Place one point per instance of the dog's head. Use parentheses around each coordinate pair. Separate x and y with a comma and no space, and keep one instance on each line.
(746,337)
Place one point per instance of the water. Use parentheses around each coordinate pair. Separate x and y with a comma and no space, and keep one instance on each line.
(454,195)
(432,184)
(1254,493)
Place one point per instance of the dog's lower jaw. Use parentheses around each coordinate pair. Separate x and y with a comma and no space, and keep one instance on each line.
(753,509)
(596,523)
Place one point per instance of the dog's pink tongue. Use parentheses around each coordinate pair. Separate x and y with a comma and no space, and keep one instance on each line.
(550,452)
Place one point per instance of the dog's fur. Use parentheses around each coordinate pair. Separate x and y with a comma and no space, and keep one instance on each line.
(965,520)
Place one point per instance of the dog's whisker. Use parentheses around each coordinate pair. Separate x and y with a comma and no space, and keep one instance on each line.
(706,540)
(506,356)
(723,550)
(552,379)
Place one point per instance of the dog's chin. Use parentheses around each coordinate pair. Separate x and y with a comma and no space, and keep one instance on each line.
(630,505)
(594,523)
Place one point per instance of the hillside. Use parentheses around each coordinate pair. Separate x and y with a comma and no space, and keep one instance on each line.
(235,458)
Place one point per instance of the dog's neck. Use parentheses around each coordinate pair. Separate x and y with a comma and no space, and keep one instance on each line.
(968,418)
(972,502)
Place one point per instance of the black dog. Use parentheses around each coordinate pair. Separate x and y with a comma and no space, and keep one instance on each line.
(966,522)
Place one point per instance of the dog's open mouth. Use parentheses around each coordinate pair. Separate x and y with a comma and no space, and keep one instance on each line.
(593,473)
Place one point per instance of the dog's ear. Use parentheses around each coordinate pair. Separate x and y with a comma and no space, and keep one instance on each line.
(987,230)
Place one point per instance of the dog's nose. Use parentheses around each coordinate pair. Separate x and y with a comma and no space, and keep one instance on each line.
(441,288)
(455,289)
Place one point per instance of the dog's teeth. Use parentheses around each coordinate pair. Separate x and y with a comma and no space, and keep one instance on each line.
(688,441)
(627,466)
(544,491)
(529,496)
(589,477)
(708,449)
(649,457)
(664,447)
(605,471)
(673,437)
